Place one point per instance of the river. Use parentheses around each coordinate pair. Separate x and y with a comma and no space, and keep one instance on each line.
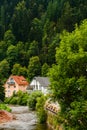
(23,120)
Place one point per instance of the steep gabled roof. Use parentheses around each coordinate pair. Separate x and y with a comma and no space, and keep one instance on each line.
(44,81)
(20,80)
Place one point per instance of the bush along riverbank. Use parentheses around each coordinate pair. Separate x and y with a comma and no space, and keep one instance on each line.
(5,107)
(47,111)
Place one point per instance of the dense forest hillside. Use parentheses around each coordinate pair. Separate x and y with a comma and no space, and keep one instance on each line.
(30,32)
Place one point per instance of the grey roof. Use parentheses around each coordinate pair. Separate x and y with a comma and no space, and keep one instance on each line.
(44,81)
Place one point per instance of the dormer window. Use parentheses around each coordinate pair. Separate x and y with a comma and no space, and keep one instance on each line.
(11,81)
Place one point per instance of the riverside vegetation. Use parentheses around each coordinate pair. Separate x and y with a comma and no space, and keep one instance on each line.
(5,107)
(68,81)
(48,38)
(35,101)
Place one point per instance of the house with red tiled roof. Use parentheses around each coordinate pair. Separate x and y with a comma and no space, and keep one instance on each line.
(14,84)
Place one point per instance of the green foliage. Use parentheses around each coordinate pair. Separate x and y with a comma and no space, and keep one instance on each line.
(4,69)
(13,100)
(9,38)
(78,112)
(34,67)
(30,31)
(12,55)
(33,49)
(22,53)
(20,22)
(19,98)
(45,69)
(69,77)
(3,47)
(53,10)
(5,107)
(19,70)
(36,30)
(2,94)
(33,99)
(41,113)
(7,100)
(32,28)
(15,69)
(23,98)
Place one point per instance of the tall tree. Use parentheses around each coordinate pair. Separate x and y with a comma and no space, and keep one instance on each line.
(34,67)
(33,49)
(3,48)
(69,78)
(4,70)
(36,30)
(21,22)
(2,93)
(19,70)
(12,55)
(9,38)
(22,53)
(45,69)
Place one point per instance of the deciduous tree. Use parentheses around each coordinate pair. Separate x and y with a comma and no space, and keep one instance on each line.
(69,78)
(34,67)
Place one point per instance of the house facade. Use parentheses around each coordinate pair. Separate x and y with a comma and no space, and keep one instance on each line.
(14,84)
(40,84)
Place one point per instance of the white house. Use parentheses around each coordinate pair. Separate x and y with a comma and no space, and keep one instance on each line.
(40,84)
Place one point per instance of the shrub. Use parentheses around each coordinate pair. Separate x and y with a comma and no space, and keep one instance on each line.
(13,100)
(22,100)
(5,107)
(33,99)
(19,98)
(41,113)
(7,100)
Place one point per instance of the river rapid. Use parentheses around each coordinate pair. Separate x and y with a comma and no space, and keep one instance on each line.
(23,120)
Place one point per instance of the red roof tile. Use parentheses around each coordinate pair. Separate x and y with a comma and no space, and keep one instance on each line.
(20,80)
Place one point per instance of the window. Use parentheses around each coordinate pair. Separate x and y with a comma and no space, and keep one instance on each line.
(11,81)
(14,86)
(8,86)
(8,91)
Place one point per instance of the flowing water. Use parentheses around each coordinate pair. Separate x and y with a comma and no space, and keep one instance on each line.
(23,120)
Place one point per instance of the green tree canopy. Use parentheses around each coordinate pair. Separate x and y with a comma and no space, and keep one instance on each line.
(45,69)
(12,55)
(9,38)
(15,69)
(20,22)
(36,30)
(2,94)
(3,47)
(19,70)
(33,49)
(34,67)
(69,78)
(4,70)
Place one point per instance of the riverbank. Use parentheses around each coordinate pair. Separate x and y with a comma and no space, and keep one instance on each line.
(24,120)
(5,116)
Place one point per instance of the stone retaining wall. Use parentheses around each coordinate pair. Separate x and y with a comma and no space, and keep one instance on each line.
(52,116)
